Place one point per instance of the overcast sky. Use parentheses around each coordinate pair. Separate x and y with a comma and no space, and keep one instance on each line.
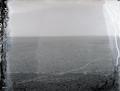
(56,19)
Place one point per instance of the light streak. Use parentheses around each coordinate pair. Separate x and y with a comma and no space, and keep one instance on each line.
(111,13)
(78,69)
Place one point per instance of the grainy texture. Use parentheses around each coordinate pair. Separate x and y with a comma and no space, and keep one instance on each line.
(3,43)
(62,64)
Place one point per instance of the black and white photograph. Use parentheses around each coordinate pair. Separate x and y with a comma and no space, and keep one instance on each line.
(59,45)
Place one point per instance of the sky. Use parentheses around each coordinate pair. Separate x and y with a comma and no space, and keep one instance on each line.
(56,18)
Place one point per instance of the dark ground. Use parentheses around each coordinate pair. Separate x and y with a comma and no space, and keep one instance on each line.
(64,82)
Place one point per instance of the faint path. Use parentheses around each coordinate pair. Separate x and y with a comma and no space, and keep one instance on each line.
(81,68)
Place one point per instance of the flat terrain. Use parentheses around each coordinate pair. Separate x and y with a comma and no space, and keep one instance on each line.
(62,64)
(66,82)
